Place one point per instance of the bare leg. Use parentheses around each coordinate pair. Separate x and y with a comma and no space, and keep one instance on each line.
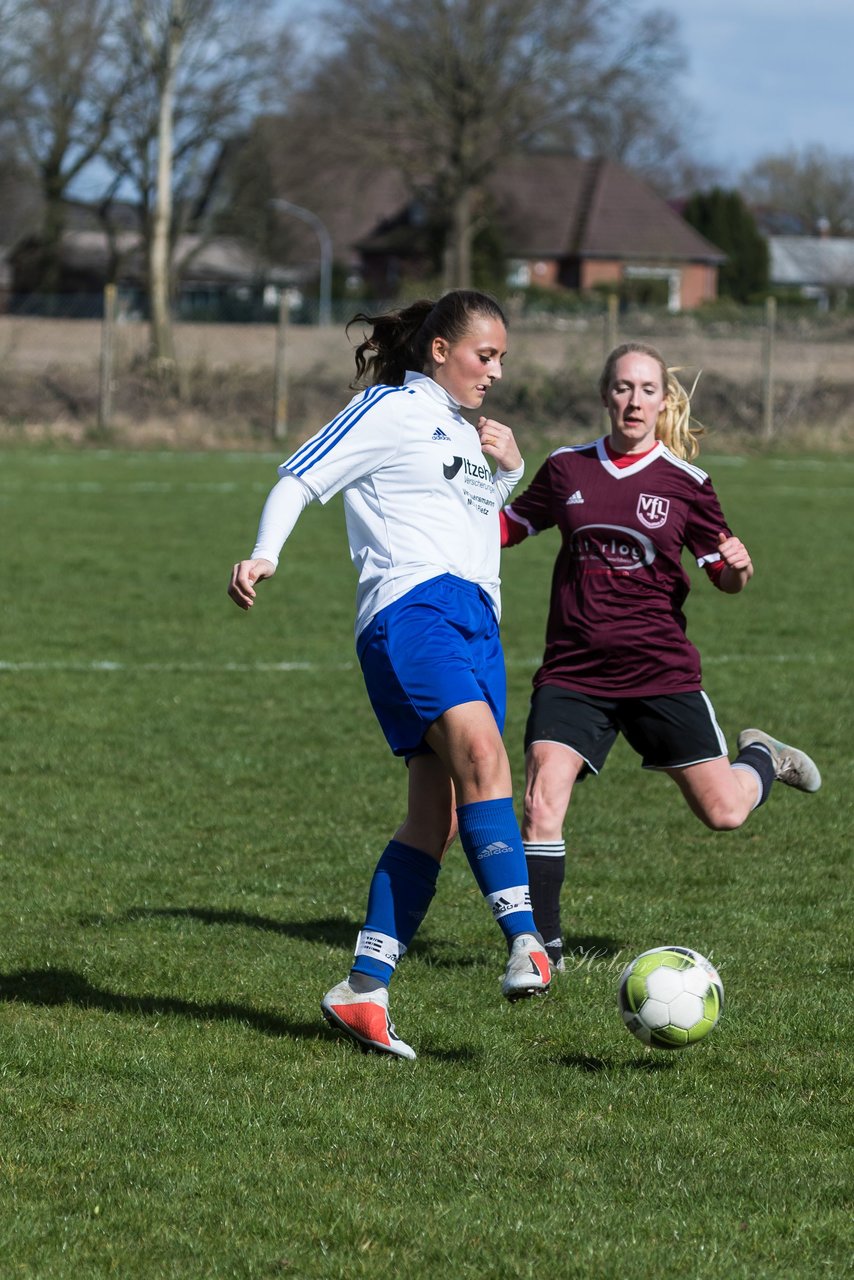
(431,819)
(719,795)
(551,770)
(467,740)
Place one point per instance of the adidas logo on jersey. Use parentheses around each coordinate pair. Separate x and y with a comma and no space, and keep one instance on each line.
(439,434)
(574,498)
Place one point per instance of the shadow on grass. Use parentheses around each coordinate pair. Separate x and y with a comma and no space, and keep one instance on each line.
(52,988)
(55,987)
(334,932)
(330,931)
(592,1066)
(587,948)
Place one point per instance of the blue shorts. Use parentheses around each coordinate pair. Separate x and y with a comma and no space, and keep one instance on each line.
(434,648)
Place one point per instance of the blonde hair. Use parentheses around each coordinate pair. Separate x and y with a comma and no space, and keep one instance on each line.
(675,427)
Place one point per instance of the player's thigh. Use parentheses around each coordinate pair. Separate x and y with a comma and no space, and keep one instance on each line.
(435,649)
(673,731)
(719,795)
(564,717)
(467,739)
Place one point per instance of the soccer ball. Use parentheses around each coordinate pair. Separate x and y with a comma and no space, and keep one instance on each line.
(670,997)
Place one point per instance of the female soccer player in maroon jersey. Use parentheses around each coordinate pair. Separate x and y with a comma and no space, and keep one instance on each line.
(617,659)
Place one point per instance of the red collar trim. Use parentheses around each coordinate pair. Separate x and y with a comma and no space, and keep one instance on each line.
(622,460)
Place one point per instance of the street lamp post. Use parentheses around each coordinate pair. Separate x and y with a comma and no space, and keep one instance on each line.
(306,215)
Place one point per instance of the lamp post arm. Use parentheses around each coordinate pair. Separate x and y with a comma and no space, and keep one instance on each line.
(325,241)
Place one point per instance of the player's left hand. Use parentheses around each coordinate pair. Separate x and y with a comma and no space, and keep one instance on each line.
(733,552)
(497,441)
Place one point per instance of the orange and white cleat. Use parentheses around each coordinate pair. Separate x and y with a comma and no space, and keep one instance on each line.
(528,972)
(364,1017)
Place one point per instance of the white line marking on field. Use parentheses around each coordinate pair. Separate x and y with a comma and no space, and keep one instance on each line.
(159,488)
(132,486)
(165,668)
(179,667)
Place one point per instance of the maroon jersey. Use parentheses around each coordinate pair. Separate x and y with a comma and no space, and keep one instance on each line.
(615,626)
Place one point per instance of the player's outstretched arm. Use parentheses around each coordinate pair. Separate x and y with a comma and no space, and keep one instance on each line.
(285,501)
(244,575)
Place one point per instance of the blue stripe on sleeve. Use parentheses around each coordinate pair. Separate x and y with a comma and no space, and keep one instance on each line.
(317,448)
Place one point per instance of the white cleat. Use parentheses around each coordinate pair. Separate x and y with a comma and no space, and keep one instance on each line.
(528,972)
(791,766)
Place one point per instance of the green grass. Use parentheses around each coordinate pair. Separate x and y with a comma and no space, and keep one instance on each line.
(188,828)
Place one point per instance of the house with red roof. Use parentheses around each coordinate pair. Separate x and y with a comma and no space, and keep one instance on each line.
(572,223)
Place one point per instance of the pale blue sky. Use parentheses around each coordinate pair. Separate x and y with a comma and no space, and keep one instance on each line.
(763,75)
(769,75)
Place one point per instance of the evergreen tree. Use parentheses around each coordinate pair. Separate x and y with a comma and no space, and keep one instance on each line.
(723,217)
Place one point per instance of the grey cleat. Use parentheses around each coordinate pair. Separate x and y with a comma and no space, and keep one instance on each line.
(791,766)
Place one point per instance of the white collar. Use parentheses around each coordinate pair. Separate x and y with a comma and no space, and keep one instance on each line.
(431,387)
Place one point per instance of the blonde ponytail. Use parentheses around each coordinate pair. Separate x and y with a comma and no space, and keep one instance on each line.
(675,427)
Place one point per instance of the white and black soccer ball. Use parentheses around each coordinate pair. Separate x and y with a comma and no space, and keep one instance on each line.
(670,997)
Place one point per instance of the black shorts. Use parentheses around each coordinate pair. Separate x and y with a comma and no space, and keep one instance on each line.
(669,731)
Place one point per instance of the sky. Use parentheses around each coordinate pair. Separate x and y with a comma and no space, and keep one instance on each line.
(763,76)
(767,76)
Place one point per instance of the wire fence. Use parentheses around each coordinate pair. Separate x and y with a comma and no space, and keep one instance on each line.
(764,367)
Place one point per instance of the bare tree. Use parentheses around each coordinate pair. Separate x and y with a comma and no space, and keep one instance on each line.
(63,81)
(19,204)
(443,89)
(813,187)
(206,65)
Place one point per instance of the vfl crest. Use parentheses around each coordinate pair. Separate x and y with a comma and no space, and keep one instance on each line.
(652,511)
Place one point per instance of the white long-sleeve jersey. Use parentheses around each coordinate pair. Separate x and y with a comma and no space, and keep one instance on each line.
(420,498)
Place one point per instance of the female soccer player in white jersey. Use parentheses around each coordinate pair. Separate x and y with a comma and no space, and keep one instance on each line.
(422,509)
(617,659)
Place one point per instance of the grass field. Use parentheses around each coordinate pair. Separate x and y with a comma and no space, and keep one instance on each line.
(192,802)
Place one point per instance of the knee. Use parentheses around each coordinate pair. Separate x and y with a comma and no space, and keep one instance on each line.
(485,763)
(544,812)
(723,817)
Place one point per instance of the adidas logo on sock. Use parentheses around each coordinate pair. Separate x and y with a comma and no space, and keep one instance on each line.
(574,498)
(439,434)
(497,846)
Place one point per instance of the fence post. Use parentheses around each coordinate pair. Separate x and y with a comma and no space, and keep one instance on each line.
(108,333)
(768,368)
(611,323)
(280,373)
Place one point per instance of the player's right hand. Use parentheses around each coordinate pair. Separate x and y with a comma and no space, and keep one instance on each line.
(244,575)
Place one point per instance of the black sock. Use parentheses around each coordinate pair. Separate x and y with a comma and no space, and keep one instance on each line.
(760,760)
(546,868)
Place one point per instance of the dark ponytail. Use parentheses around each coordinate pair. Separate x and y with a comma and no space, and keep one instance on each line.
(402,340)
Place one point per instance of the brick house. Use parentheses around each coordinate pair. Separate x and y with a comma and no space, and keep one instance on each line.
(572,223)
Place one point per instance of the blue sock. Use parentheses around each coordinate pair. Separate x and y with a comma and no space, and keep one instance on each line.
(489,833)
(402,888)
